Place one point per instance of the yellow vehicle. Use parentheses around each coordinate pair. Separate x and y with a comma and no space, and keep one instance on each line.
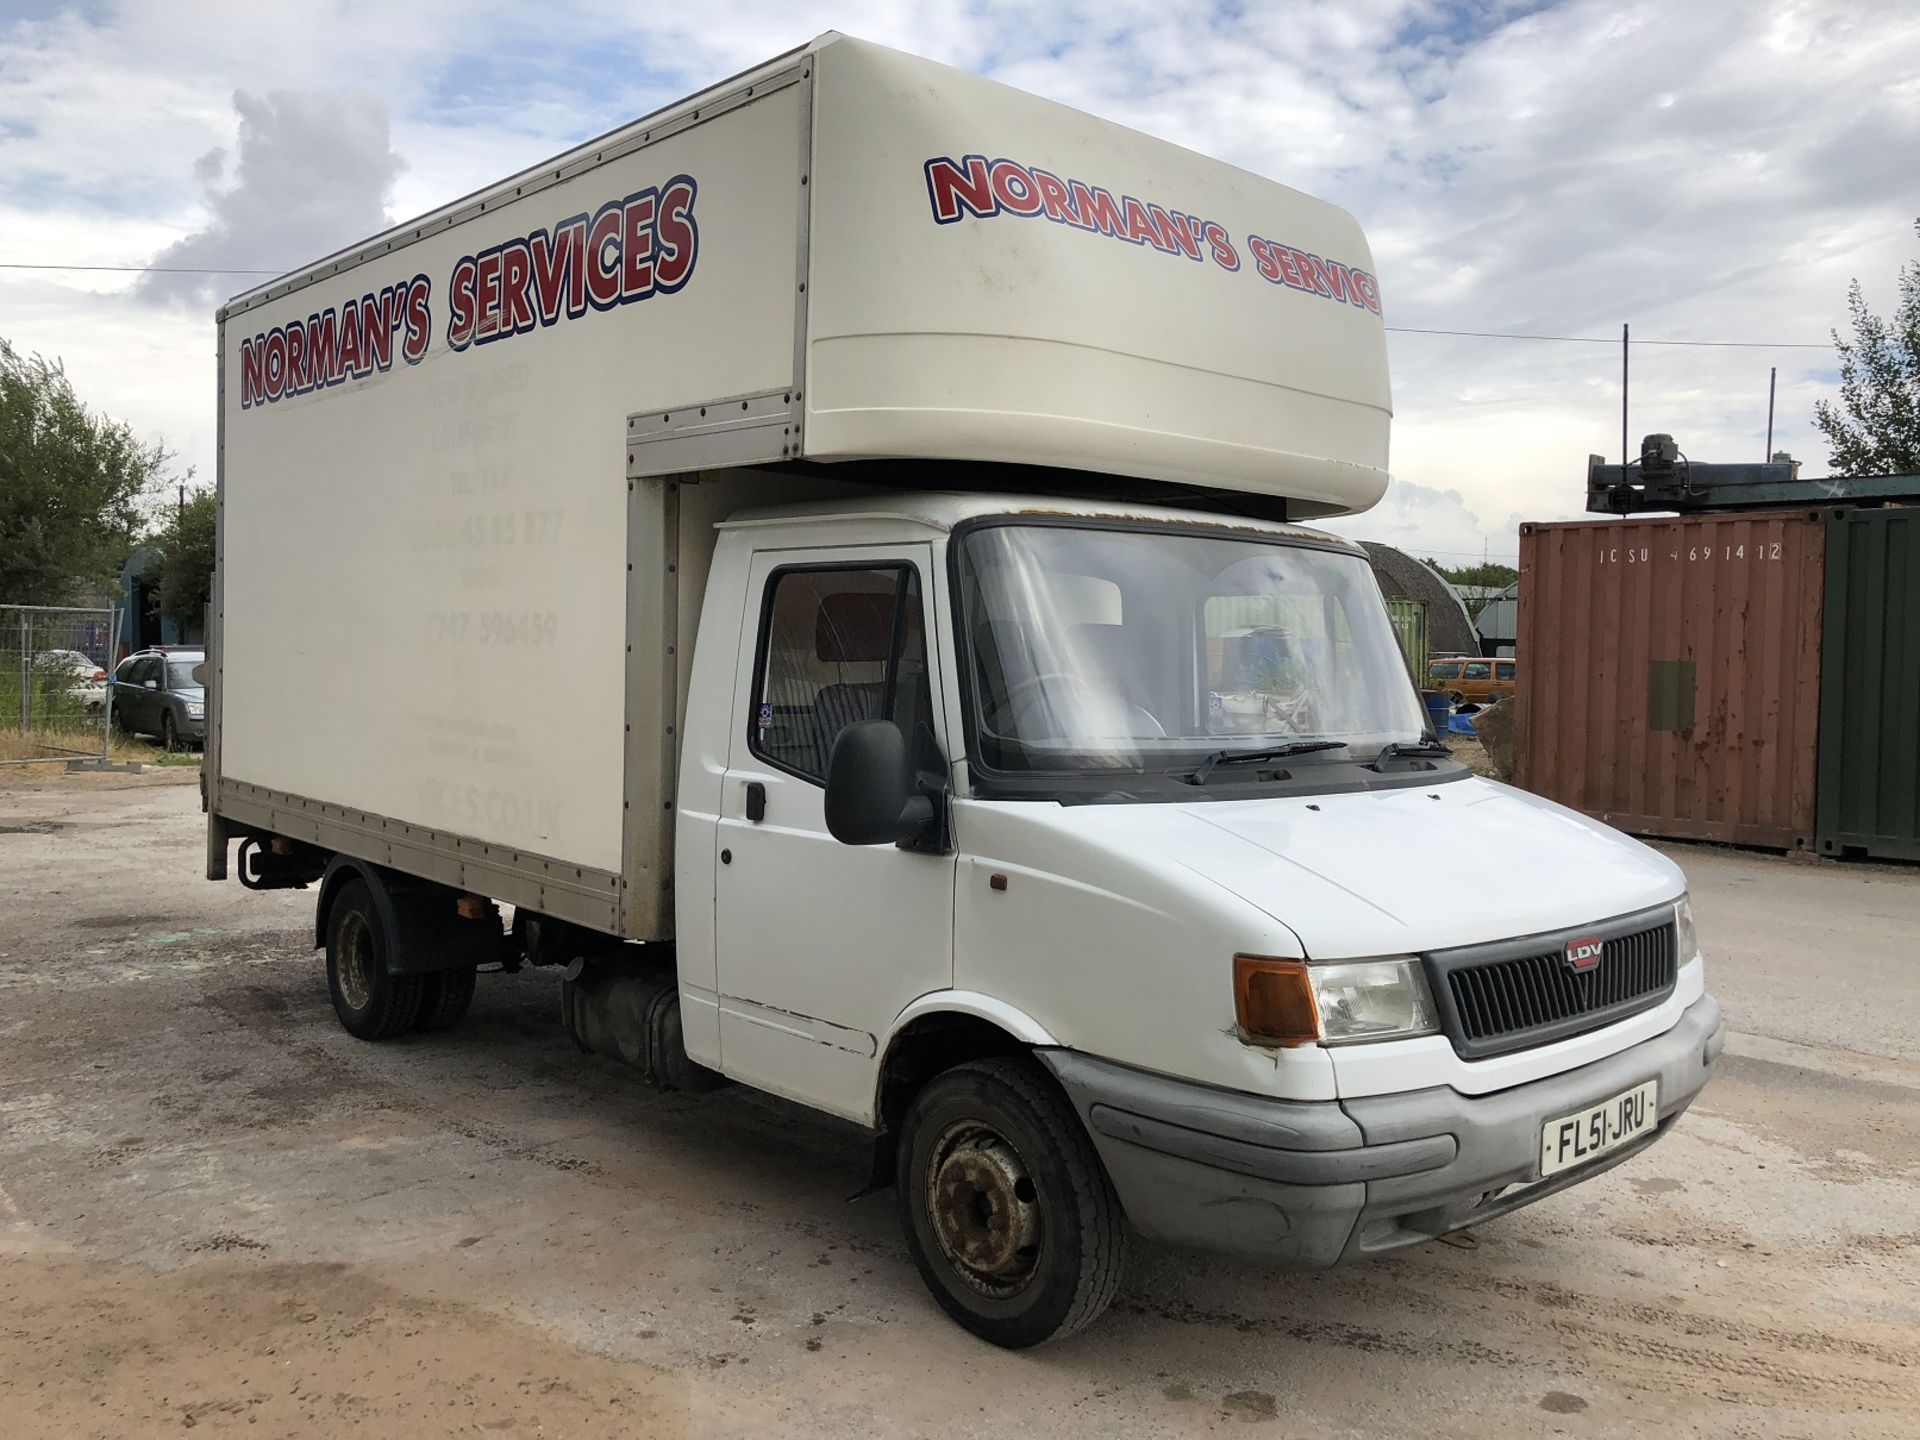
(1471,679)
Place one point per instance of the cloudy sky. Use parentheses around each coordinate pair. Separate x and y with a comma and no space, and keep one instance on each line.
(1713,170)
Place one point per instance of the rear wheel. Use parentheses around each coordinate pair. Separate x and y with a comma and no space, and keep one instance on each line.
(444,998)
(371,1004)
(1008,1211)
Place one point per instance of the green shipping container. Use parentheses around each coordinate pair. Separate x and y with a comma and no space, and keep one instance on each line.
(1410,629)
(1869,798)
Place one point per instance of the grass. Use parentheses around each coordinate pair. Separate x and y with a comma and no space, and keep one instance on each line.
(37,744)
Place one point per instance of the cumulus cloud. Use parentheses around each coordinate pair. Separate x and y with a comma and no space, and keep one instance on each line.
(1428,522)
(1718,170)
(313,171)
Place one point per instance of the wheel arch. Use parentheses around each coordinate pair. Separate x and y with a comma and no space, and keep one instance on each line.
(340,871)
(937,1032)
(424,930)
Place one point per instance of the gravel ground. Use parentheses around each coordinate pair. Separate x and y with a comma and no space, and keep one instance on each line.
(219,1211)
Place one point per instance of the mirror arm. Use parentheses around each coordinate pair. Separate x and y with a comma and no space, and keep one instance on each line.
(925,826)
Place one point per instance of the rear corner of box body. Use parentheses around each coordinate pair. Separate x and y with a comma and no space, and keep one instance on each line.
(425,528)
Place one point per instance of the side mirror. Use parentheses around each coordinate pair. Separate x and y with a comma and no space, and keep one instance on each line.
(873,797)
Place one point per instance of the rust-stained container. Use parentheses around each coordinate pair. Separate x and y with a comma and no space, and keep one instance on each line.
(1670,672)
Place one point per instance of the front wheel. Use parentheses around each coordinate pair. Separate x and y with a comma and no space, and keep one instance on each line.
(169,735)
(1008,1211)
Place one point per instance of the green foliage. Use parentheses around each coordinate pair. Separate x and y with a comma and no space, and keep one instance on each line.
(52,703)
(186,564)
(1875,429)
(71,482)
(1492,573)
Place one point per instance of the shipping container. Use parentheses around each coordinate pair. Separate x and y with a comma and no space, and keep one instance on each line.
(1672,684)
(1410,629)
(1870,686)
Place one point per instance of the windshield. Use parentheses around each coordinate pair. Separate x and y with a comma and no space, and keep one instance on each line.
(180,674)
(1153,649)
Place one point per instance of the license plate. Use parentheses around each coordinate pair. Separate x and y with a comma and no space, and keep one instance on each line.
(1588,1134)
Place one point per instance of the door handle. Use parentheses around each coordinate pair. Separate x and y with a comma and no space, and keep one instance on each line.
(756,801)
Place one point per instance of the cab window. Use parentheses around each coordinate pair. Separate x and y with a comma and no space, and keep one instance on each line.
(837,646)
(1444,670)
(1477,671)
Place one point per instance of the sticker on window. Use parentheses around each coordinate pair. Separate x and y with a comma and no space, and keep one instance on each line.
(766,716)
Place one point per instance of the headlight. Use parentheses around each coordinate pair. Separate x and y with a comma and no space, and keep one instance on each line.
(1290,1002)
(196,709)
(1686,944)
(1372,1000)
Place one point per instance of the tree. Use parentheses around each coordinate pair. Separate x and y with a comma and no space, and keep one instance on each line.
(71,482)
(186,559)
(1875,429)
(1492,573)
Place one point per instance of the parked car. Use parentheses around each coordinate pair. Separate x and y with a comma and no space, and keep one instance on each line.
(155,693)
(1471,679)
(85,681)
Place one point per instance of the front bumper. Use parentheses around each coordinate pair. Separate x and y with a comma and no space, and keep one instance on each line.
(1306,1184)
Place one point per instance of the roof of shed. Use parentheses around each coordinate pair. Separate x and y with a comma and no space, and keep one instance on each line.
(1449,630)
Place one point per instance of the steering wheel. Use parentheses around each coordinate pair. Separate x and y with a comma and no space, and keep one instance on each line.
(1137,713)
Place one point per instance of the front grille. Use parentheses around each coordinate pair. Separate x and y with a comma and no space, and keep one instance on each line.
(1506,997)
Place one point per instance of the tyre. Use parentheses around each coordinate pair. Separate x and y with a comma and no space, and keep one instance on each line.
(371,1004)
(1008,1211)
(169,736)
(444,998)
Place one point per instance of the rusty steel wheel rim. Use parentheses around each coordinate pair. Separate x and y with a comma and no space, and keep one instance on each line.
(354,962)
(984,1209)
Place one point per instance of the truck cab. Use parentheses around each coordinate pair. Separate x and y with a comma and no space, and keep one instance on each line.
(1148,797)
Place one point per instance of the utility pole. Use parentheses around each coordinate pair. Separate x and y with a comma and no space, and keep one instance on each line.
(1773,374)
(1626,458)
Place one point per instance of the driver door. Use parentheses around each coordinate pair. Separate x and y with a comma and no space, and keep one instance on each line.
(819,945)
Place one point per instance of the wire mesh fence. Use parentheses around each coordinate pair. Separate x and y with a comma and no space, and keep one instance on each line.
(55,699)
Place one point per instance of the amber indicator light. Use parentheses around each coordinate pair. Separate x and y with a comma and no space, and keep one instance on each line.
(1273,1001)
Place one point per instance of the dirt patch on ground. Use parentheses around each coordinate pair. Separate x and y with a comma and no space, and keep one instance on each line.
(1472,754)
(54,775)
(91,1348)
(218,1210)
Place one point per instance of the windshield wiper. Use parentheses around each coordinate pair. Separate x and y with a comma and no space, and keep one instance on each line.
(1272,752)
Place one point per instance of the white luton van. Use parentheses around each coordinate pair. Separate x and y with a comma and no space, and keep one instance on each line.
(827,558)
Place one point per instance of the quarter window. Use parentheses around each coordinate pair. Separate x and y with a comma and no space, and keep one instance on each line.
(1480,671)
(837,647)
